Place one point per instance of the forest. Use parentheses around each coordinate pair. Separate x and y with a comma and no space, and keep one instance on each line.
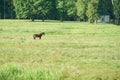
(83,10)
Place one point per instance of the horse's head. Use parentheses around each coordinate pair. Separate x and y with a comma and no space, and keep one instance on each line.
(43,33)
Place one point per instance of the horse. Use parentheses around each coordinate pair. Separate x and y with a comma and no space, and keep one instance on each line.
(38,35)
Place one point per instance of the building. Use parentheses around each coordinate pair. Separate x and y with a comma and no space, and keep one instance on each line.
(104,19)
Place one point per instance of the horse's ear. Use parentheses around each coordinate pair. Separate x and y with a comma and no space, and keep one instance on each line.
(44,33)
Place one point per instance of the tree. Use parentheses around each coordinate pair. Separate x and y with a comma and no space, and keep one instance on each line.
(105,8)
(92,11)
(1,9)
(116,8)
(82,8)
(53,11)
(20,9)
(32,8)
(66,9)
(61,8)
(71,9)
(108,6)
(6,9)
(42,7)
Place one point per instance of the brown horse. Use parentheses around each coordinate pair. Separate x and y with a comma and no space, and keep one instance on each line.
(38,35)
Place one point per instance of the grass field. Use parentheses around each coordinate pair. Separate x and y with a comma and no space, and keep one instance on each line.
(68,51)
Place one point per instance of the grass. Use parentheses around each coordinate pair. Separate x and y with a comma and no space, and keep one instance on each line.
(68,51)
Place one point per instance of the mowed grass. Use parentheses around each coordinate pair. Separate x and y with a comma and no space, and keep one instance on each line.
(68,51)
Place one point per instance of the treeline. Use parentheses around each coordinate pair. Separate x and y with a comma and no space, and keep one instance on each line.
(85,10)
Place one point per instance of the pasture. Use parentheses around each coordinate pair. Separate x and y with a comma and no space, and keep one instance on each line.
(68,51)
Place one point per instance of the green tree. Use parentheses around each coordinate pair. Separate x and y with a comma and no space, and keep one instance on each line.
(116,7)
(61,8)
(20,9)
(108,7)
(92,11)
(53,11)
(1,9)
(42,7)
(67,9)
(32,8)
(7,9)
(82,8)
(105,8)
(71,9)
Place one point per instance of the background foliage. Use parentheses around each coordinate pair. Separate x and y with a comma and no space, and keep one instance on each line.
(87,10)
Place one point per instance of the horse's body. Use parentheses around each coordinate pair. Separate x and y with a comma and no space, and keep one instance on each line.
(38,35)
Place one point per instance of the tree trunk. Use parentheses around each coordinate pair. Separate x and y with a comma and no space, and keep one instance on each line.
(33,19)
(95,21)
(117,21)
(43,19)
(61,19)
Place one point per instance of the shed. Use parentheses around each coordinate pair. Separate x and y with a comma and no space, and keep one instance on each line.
(104,19)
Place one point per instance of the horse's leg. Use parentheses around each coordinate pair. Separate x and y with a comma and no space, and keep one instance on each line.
(34,37)
(40,37)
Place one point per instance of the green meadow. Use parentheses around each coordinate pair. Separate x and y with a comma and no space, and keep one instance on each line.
(68,51)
